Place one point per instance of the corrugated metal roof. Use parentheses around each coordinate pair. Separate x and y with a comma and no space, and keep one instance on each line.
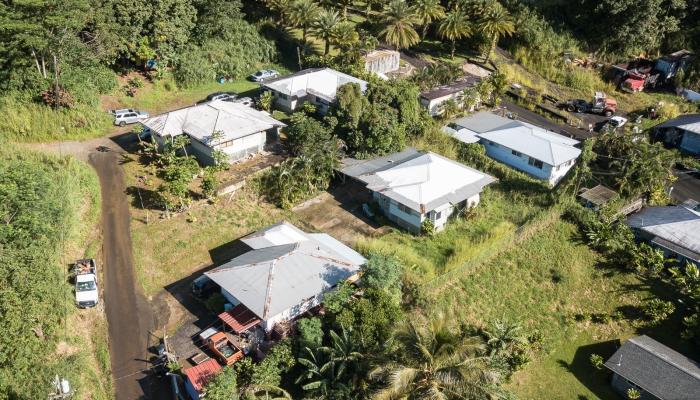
(540,144)
(657,369)
(233,120)
(270,280)
(421,181)
(323,82)
(463,135)
(598,195)
(689,122)
(676,224)
(201,374)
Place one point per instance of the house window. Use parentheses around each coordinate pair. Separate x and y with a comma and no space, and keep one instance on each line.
(283,96)
(492,144)
(535,163)
(405,209)
(437,215)
(516,153)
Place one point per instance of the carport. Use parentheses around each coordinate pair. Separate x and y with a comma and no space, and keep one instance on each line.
(239,319)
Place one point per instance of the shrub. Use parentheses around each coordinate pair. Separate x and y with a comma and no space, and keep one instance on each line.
(215,303)
(597,361)
(427,228)
(657,310)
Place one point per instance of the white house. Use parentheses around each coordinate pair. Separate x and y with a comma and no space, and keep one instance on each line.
(233,128)
(434,99)
(538,152)
(285,273)
(382,61)
(317,86)
(413,186)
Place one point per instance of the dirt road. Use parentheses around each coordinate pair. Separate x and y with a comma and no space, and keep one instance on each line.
(128,312)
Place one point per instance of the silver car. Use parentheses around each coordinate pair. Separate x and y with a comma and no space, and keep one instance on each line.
(129,117)
(264,74)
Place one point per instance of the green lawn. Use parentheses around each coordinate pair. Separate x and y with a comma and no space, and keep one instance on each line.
(542,283)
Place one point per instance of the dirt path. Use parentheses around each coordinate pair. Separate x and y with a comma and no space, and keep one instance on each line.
(128,312)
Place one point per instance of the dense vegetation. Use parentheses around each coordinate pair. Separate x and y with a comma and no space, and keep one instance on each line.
(47,204)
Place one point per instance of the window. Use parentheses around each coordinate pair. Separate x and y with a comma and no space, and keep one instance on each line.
(283,96)
(516,153)
(437,215)
(405,209)
(492,144)
(535,163)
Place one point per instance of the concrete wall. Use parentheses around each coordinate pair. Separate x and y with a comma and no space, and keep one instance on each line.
(287,104)
(521,162)
(389,62)
(690,142)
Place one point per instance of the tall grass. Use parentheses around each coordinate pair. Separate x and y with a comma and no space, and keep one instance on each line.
(32,122)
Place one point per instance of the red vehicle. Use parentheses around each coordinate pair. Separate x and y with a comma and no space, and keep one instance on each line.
(223,348)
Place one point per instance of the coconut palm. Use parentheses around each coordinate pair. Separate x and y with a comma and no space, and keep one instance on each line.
(302,14)
(454,27)
(324,26)
(495,22)
(281,8)
(398,25)
(343,4)
(435,363)
(345,36)
(427,11)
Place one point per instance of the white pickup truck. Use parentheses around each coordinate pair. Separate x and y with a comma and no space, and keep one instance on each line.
(86,290)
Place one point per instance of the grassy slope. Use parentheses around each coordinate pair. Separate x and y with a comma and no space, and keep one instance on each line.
(543,283)
(82,349)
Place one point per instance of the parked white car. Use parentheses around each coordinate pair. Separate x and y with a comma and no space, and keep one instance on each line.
(129,117)
(264,74)
(86,290)
(223,96)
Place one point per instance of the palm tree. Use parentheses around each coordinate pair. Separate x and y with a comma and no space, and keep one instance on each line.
(343,4)
(495,22)
(302,14)
(435,363)
(427,11)
(281,7)
(323,27)
(345,36)
(455,26)
(342,354)
(398,24)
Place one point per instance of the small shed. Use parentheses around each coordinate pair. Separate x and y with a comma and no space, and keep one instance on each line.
(655,370)
(597,197)
(197,377)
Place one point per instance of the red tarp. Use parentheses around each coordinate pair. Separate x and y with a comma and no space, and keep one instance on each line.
(239,318)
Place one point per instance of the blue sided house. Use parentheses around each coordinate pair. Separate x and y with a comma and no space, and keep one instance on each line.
(538,152)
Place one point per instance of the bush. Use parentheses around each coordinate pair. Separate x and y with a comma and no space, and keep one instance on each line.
(427,228)
(215,303)
(657,310)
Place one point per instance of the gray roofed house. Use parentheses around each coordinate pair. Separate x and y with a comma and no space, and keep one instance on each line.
(413,186)
(243,130)
(655,370)
(541,153)
(286,272)
(674,229)
(682,132)
(317,86)
(433,99)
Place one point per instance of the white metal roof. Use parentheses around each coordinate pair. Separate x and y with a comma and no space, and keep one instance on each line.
(320,82)
(233,120)
(676,224)
(420,181)
(541,144)
(285,268)
(689,122)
